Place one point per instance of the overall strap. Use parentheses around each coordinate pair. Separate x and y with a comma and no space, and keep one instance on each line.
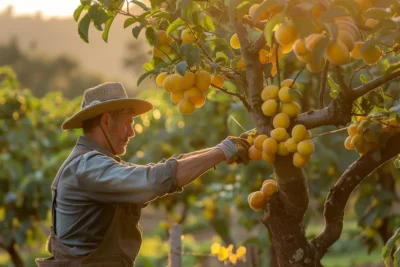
(79,150)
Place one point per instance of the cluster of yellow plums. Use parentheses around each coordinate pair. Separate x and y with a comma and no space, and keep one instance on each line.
(365,135)
(339,52)
(163,41)
(188,91)
(258,199)
(226,253)
(281,99)
(282,144)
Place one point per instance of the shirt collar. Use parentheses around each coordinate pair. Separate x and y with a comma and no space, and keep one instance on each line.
(86,141)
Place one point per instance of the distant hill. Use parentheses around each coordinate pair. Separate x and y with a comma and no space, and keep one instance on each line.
(59,36)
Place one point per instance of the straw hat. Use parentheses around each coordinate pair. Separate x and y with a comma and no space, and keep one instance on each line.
(105,98)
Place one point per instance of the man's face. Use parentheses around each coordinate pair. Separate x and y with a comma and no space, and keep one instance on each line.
(121,131)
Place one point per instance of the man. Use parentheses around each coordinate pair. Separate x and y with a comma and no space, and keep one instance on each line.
(97,197)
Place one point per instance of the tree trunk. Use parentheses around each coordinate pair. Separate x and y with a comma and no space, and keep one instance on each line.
(273,261)
(284,214)
(14,254)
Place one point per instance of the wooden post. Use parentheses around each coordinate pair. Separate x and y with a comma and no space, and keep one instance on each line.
(175,259)
(253,256)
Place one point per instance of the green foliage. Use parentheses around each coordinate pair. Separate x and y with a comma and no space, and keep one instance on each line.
(32,149)
(387,250)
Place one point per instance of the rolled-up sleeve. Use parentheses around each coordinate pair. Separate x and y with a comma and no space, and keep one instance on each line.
(107,180)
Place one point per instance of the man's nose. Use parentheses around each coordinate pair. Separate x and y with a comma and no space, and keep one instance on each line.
(131,132)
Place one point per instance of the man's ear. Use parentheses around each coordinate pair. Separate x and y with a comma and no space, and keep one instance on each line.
(105,120)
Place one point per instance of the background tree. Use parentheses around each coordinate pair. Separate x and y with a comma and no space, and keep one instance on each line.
(43,74)
(246,46)
(32,147)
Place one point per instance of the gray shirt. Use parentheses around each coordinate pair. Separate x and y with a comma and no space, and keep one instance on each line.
(92,184)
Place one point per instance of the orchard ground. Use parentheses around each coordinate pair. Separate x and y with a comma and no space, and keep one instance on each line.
(346,252)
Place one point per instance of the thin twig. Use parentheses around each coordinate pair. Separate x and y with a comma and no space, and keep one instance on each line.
(240,96)
(297,76)
(354,73)
(197,41)
(323,85)
(277,65)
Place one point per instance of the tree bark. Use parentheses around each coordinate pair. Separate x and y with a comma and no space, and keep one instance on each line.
(387,182)
(14,254)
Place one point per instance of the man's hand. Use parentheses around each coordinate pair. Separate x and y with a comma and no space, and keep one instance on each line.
(235,149)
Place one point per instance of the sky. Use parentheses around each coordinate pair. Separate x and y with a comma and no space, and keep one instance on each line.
(48,8)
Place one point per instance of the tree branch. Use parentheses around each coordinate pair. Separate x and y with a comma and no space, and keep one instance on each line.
(323,85)
(259,43)
(254,76)
(340,77)
(363,89)
(340,109)
(340,192)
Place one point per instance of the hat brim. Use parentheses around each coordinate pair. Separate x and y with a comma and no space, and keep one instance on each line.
(137,105)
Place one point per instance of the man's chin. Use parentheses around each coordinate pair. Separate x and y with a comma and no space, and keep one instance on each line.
(121,152)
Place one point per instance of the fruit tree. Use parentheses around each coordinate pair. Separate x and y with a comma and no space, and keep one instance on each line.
(274,57)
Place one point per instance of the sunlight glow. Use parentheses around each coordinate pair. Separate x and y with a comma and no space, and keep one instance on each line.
(48,8)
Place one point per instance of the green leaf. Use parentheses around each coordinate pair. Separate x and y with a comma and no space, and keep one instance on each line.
(318,52)
(352,7)
(333,30)
(376,13)
(151,36)
(148,66)
(295,92)
(186,3)
(83,28)
(140,4)
(302,21)
(100,18)
(384,25)
(107,28)
(86,2)
(397,163)
(181,68)
(393,68)
(129,22)
(214,66)
(143,76)
(364,79)
(268,30)
(78,12)
(187,10)
(332,13)
(334,93)
(175,25)
(136,31)
(208,24)
(387,249)
(222,57)
(192,56)
(396,257)
(332,84)
(93,10)
(369,45)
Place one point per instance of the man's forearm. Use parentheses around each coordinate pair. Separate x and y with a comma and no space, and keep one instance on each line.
(190,168)
(195,153)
